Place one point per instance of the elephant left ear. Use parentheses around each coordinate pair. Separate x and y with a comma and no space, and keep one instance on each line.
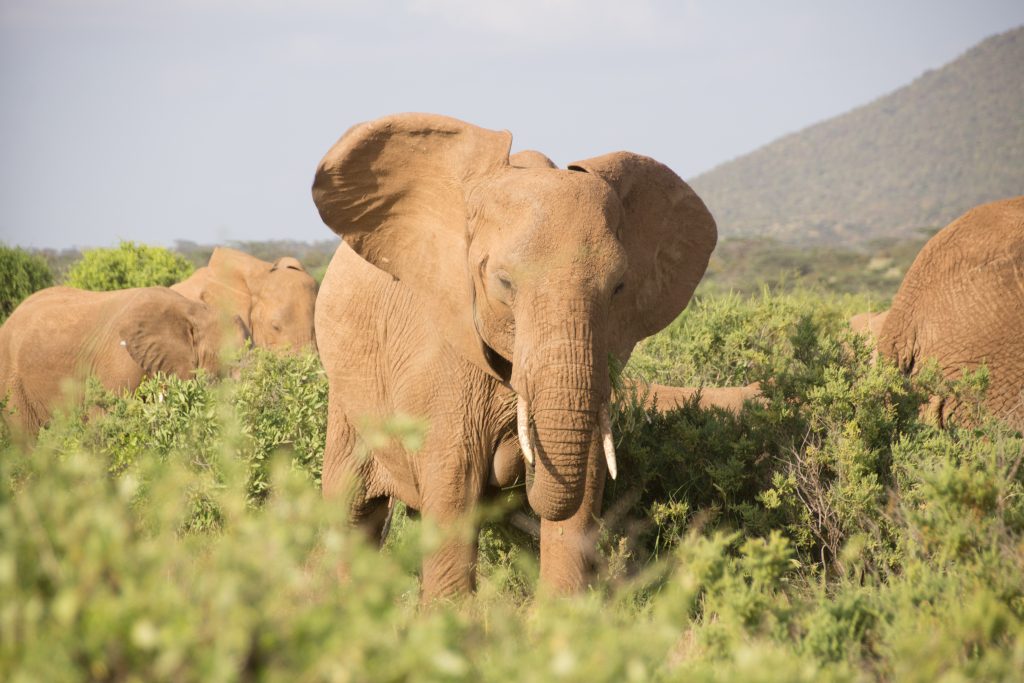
(668,234)
(160,337)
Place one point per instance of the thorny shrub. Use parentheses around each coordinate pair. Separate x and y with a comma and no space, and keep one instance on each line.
(830,534)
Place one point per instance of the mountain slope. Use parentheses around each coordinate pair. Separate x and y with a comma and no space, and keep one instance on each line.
(917,157)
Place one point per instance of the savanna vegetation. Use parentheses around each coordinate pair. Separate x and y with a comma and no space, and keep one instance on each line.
(128,265)
(830,534)
(23,273)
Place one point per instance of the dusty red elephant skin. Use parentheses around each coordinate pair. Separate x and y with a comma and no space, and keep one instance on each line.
(486,296)
(962,303)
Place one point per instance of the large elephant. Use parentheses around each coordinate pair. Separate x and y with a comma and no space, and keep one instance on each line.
(962,303)
(488,297)
(274,300)
(60,336)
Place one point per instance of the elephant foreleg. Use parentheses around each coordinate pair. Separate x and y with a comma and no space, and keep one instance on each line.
(449,497)
(345,476)
(568,549)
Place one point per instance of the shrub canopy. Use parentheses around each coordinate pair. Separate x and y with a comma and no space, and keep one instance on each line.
(830,534)
(21,273)
(128,265)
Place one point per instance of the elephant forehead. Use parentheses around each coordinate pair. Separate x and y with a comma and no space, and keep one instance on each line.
(286,285)
(544,208)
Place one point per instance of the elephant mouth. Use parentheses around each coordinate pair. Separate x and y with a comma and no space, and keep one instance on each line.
(501,366)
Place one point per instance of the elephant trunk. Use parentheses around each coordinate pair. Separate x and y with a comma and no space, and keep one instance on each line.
(559,415)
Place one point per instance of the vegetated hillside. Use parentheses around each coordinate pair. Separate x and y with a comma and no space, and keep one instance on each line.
(918,157)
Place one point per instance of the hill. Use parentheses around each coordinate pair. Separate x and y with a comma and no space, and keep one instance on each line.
(918,157)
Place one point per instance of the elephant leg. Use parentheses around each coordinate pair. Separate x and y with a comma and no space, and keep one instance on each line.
(24,417)
(449,498)
(568,549)
(345,477)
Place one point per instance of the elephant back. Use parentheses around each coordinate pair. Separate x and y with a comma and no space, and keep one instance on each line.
(962,303)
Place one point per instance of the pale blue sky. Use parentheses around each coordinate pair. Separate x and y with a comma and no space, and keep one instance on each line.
(205,119)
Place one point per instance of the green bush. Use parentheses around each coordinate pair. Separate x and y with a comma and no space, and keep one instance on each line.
(278,405)
(128,265)
(21,273)
(830,534)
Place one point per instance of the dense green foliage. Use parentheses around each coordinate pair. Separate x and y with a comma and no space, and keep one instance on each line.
(918,157)
(828,535)
(128,265)
(21,273)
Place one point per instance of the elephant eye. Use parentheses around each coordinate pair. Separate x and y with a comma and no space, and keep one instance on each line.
(618,288)
(504,280)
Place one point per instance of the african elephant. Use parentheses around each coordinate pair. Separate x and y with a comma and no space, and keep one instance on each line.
(274,300)
(59,336)
(962,303)
(487,298)
(869,323)
(665,398)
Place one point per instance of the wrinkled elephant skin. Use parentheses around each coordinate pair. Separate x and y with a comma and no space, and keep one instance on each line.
(60,336)
(486,295)
(962,303)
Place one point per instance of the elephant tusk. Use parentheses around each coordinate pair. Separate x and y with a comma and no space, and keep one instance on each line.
(523,425)
(608,441)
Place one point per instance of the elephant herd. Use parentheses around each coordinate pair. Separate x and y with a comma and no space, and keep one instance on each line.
(60,336)
(488,293)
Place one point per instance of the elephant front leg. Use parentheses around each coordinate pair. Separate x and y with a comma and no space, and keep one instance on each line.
(345,476)
(449,505)
(568,549)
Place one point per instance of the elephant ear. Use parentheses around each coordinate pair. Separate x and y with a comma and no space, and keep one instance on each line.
(668,234)
(395,188)
(160,336)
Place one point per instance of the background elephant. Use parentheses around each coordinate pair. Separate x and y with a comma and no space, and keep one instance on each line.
(869,323)
(487,298)
(665,398)
(274,300)
(962,303)
(60,336)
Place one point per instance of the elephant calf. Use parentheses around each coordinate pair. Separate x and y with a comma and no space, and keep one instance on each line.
(962,303)
(60,336)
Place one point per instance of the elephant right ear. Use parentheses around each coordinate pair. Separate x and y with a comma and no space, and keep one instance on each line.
(395,189)
(159,336)
(668,234)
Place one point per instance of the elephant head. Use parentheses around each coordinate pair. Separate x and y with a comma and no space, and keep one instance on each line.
(274,300)
(165,332)
(534,274)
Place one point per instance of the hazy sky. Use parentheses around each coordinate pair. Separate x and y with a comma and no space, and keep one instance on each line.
(205,119)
